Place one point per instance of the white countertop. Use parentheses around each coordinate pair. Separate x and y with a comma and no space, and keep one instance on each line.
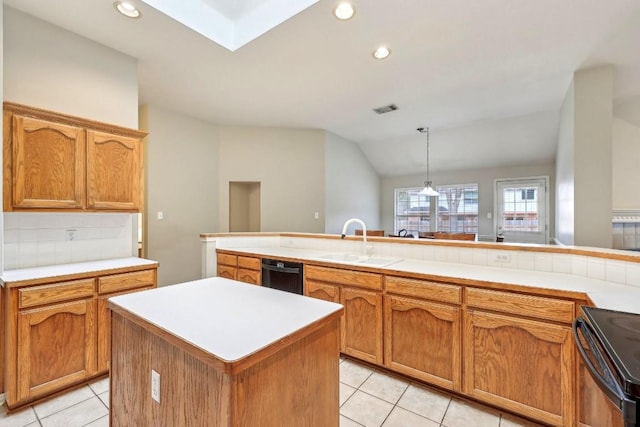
(230,320)
(77,268)
(605,294)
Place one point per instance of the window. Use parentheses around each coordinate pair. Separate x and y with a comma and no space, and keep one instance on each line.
(458,208)
(528,194)
(520,209)
(412,211)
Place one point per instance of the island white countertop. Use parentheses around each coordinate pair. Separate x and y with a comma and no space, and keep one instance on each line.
(52,271)
(604,294)
(229,320)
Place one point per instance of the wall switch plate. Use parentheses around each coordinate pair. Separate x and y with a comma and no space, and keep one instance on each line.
(71,235)
(488,215)
(155,386)
(160,215)
(316,215)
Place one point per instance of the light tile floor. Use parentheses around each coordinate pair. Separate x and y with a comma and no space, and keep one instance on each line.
(368,398)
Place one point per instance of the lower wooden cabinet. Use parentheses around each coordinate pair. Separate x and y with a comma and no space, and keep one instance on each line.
(110,286)
(594,408)
(361,295)
(241,268)
(56,347)
(522,365)
(227,266)
(58,333)
(422,339)
(249,270)
(362,324)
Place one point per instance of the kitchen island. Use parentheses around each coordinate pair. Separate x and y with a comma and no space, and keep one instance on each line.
(217,352)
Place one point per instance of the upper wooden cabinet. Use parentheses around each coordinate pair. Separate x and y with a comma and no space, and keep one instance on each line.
(53,161)
(48,164)
(113,171)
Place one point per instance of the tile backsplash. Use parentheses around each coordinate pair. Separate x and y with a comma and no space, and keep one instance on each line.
(626,235)
(38,239)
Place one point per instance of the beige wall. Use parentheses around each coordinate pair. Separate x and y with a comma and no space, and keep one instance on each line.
(626,165)
(485,178)
(587,159)
(288,163)
(48,67)
(353,186)
(182,183)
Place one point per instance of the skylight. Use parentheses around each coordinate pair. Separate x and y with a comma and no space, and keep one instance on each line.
(231,23)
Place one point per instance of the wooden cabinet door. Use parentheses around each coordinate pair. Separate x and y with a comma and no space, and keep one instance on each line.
(48,166)
(104,329)
(114,172)
(56,347)
(422,339)
(362,324)
(594,408)
(521,365)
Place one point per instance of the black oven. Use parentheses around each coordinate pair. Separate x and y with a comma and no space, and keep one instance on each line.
(282,275)
(609,345)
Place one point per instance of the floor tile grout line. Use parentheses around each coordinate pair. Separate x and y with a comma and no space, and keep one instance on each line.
(445,413)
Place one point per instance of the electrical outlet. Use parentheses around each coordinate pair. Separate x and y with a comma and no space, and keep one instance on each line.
(71,235)
(502,257)
(155,386)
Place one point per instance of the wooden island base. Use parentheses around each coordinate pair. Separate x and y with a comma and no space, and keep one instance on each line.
(294,382)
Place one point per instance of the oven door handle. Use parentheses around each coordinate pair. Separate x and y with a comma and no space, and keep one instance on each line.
(613,392)
(290,270)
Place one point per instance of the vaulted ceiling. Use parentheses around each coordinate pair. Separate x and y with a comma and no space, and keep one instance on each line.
(488,77)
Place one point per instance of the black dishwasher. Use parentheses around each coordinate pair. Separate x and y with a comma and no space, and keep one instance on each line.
(282,275)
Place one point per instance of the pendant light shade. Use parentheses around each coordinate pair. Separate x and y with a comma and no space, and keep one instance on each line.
(428,189)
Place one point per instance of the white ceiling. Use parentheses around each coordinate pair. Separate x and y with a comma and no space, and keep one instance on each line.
(488,77)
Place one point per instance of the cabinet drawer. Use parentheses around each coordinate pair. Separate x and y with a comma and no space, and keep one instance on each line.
(227,259)
(226,271)
(524,305)
(424,289)
(249,263)
(57,292)
(248,276)
(124,281)
(344,277)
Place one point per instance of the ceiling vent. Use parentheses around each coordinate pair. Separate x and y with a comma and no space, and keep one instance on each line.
(386,109)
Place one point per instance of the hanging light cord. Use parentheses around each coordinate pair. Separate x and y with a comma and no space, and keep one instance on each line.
(423,130)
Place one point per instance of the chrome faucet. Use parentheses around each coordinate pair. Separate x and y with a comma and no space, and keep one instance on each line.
(364,232)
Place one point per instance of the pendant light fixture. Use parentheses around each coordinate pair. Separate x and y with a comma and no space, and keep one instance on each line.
(428,189)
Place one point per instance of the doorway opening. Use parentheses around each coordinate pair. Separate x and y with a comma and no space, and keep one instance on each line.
(244,206)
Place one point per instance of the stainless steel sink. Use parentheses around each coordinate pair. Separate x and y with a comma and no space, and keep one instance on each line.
(373,261)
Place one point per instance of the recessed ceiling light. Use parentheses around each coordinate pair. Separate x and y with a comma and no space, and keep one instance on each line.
(381,52)
(127,9)
(344,11)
